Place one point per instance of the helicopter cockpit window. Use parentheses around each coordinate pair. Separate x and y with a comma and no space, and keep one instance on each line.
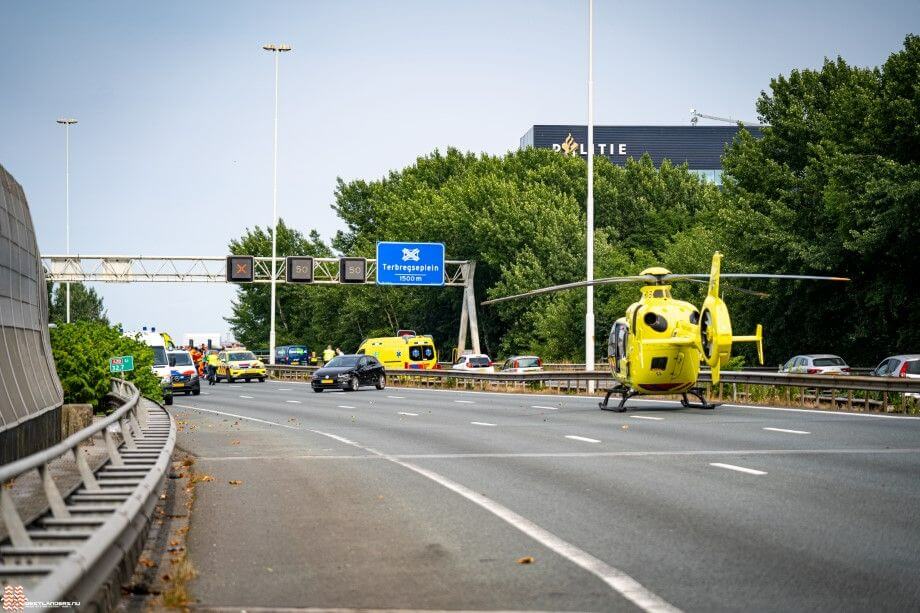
(617,345)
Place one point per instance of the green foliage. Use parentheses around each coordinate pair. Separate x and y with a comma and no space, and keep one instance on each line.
(85,304)
(832,187)
(81,354)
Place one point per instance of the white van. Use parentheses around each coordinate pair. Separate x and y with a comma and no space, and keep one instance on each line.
(160,360)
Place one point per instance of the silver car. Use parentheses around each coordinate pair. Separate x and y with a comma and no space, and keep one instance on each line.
(900,366)
(816,364)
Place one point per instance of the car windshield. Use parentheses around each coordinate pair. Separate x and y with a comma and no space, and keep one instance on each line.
(159,356)
(829,362)
(180,359)
(239,356)
(528,362)
(343,361)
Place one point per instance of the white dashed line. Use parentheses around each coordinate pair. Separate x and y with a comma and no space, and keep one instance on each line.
(740,469)
(482,423)
(647,417)
(537,406)
(249,397)
(293,401)
(787,431)
(582,438)
(397,397)
(284,389)
(465,401)
(409,414)
(345,406)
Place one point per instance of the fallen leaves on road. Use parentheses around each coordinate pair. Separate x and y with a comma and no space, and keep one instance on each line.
(234,442)
(624,427)
(204,478)
(526,560)
(147,563)
(235,482)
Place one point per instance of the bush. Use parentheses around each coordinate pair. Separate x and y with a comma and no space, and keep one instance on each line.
(81,354)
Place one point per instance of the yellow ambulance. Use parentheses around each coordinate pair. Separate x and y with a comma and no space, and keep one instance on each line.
(402,351)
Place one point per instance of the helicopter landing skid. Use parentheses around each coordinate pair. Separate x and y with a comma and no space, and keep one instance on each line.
(702,404)
(625,394)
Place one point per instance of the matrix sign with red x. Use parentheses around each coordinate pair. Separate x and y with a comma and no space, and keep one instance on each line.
(239,269)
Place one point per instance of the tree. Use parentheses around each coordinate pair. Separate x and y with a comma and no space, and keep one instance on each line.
(85,304)
(832,187)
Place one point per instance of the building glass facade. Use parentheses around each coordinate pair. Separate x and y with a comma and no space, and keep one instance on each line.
(700,147)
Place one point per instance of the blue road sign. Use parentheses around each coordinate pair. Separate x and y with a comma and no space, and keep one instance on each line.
(410,263)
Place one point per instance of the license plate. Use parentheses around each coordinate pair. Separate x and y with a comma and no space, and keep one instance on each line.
(178,384)
(295,363)
(327,380)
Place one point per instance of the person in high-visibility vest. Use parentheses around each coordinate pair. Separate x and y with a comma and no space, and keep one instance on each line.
(328,354)
(212,361)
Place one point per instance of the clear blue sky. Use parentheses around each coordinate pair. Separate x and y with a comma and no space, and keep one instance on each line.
(172,154)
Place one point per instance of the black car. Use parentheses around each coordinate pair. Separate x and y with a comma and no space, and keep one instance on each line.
(349,372)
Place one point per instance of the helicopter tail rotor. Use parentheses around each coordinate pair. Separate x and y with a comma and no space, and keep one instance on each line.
(715,324)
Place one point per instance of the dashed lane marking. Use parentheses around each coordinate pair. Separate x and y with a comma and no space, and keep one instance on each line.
(284,389)
(740,469)
(787,431)
(538,406)
(647,417)
(482,423)
(293,401)
(409,414)
(346,406)
(249,397)
(465,401)
(397,397)
(582,438)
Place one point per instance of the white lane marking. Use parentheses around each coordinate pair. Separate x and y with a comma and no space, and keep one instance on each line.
(787,431)
(205,393)
(293,401)
(582,438)
(284,389)
(241,396)
(482,423)
(345,406)
(740,469)
(465,401)
(397,397)
(647,417)
(409,414)
(261,421)
(619,581)
(537,406)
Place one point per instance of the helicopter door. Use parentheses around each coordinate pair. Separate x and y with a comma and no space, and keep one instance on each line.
(619,338)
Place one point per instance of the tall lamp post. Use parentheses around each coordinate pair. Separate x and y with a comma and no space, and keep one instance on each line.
(589,311)
(67,122)
(276,50)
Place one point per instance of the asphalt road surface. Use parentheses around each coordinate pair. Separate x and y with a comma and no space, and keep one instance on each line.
(426,500)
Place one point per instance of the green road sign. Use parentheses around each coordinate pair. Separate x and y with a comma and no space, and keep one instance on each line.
(122,364)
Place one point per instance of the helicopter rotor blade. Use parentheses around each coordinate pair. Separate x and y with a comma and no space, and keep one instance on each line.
(731,287)
(575,285)
(746,275)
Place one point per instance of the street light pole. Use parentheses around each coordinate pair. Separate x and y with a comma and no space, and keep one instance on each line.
(589,311)
(67,122)
(277,50)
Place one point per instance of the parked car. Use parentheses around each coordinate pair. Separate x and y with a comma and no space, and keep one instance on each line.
(183,373)
(474,362)
(292,354)
(816,364)
(907,366)
(349,372)
(522,363)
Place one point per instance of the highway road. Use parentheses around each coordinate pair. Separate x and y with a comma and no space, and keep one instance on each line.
(426,500)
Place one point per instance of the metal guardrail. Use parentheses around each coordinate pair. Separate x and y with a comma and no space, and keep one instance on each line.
(89,540)
(577,380)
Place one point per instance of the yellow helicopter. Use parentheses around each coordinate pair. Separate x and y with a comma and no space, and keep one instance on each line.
(659,346)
